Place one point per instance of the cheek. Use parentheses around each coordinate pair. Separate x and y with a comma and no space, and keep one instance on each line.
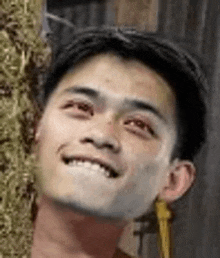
(141,188)
(141,152)
(147,178)
(53,134)
(57,126)
(146,171)
(57,129)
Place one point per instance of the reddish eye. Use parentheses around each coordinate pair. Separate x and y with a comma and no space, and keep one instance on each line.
(84,107)
(139,124)
(79,106)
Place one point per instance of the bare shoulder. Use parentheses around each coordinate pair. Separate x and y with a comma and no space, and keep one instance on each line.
(120,254)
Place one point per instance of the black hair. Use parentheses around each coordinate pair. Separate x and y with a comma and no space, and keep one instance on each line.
(180,69)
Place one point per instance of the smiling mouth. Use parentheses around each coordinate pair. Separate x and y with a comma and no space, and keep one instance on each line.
(92,164)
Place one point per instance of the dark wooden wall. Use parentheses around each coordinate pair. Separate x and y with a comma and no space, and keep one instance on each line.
(76,14)
(196,227)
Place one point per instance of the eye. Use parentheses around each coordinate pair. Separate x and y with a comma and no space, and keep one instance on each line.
(137,125)
(79,107)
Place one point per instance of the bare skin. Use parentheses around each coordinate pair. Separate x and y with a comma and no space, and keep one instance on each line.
(60,232)
(110,128)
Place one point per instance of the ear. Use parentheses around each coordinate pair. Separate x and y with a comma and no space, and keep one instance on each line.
(180,178)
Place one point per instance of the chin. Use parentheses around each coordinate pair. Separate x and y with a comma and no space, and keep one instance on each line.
(105,213)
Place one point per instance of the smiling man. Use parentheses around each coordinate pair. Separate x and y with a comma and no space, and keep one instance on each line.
(123,119)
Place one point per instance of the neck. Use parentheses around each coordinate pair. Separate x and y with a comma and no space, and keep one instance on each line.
(60,232)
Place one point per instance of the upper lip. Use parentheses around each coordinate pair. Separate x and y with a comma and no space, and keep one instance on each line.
(112,167)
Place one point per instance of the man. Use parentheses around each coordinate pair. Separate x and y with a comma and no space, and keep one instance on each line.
(122,121)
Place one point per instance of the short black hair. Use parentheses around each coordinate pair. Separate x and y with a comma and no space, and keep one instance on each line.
(182,70)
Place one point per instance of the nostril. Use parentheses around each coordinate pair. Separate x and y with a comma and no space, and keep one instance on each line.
(109,146)
(102,142)
(87,140)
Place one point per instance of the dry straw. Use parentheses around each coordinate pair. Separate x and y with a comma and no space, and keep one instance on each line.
(23,57)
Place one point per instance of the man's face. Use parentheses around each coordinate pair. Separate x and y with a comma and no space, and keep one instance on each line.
(106,138)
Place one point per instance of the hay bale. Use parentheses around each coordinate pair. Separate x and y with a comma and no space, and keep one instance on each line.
(23,57)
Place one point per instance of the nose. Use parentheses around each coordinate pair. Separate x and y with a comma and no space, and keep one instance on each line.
(103,138)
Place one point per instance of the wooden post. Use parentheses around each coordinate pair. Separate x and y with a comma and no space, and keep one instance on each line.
(141,14)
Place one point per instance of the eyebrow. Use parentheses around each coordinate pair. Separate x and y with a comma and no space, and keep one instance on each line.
(142,105)
(82,90)
(133,103)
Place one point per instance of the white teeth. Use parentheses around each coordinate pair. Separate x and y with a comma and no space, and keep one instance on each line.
(79,163)
(102,169)
(107,173)
(95,167)
(72,163)
(87,164)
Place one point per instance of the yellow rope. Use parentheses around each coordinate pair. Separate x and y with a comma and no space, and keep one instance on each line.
(164,239)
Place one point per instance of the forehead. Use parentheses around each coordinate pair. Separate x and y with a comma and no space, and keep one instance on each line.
(121,78)
(107,65)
